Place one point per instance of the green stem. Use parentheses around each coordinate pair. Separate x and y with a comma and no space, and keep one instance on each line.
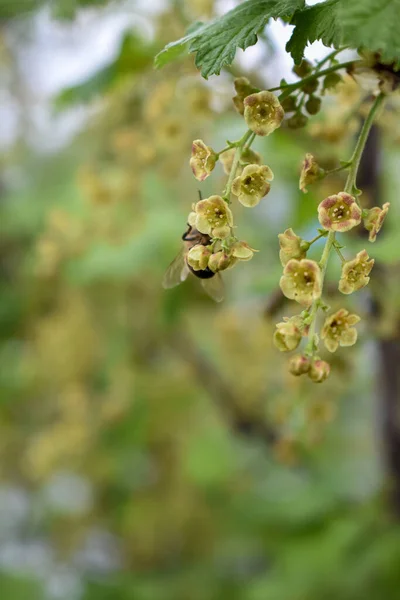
(359,149)
(288,89)
(318,237)
(342,258)
(239,147)
(349,187)
(330,56)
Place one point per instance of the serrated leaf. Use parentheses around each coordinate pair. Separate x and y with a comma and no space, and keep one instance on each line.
(215,43)
(319,22)
(373,24)
(174,50)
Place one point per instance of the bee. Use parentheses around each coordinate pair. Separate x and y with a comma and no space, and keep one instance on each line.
(179,269)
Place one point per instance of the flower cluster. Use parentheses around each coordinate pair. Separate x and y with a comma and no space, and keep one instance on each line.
(249,180)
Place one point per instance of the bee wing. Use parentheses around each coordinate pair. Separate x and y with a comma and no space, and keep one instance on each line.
(176,272)
(214,287)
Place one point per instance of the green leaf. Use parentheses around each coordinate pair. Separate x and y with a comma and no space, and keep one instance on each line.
(174,50)
(215,43)
(373,24)
(319,22)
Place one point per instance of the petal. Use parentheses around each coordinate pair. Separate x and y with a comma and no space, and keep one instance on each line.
(202,224)
(249,200)
(331,344)
(348,337)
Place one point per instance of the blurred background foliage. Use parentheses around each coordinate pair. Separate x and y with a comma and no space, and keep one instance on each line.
(152,444)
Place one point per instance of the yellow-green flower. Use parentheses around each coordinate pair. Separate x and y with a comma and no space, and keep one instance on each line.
(253,184)
(263,112)
(203,160)
(288,335)
(291,246)
(302,281)
(212,216)
(374,220)
(355,273)
(310,172)
(198,257)
(339,212)
(338,330)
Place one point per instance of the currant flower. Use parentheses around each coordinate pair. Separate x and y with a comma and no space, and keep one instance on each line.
(203,160)
(253,184)
(339,212)
(338,330)
(310,172)
(374,220)
(263,112)
(302,281)
(319,370)
(287,335)
(219,261)
(198,257)
(291,246)
(355,273)
(212,216)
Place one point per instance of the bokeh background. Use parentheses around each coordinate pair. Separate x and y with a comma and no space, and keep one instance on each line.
(152,444)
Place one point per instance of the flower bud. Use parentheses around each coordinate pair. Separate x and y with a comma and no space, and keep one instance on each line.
(243,89)
(310,86)
(303,69)
(374,220)
(203,160)
(355,273)
(289,104)
(338,330)
(212,216)
(297,121)
(198,257)
(291,246)
(299,365)
(263,112)
(302,281)
(310,172)
(339,212)
(253,184)
(331,80)
(313,105)
(219,261)
(319,370)
(287,336)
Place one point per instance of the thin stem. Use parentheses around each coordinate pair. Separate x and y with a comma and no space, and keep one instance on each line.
(338,169)
(287,89)
(358,150)
(330,56)
(342,258)
(225,149)
(239,147)
(318,237)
